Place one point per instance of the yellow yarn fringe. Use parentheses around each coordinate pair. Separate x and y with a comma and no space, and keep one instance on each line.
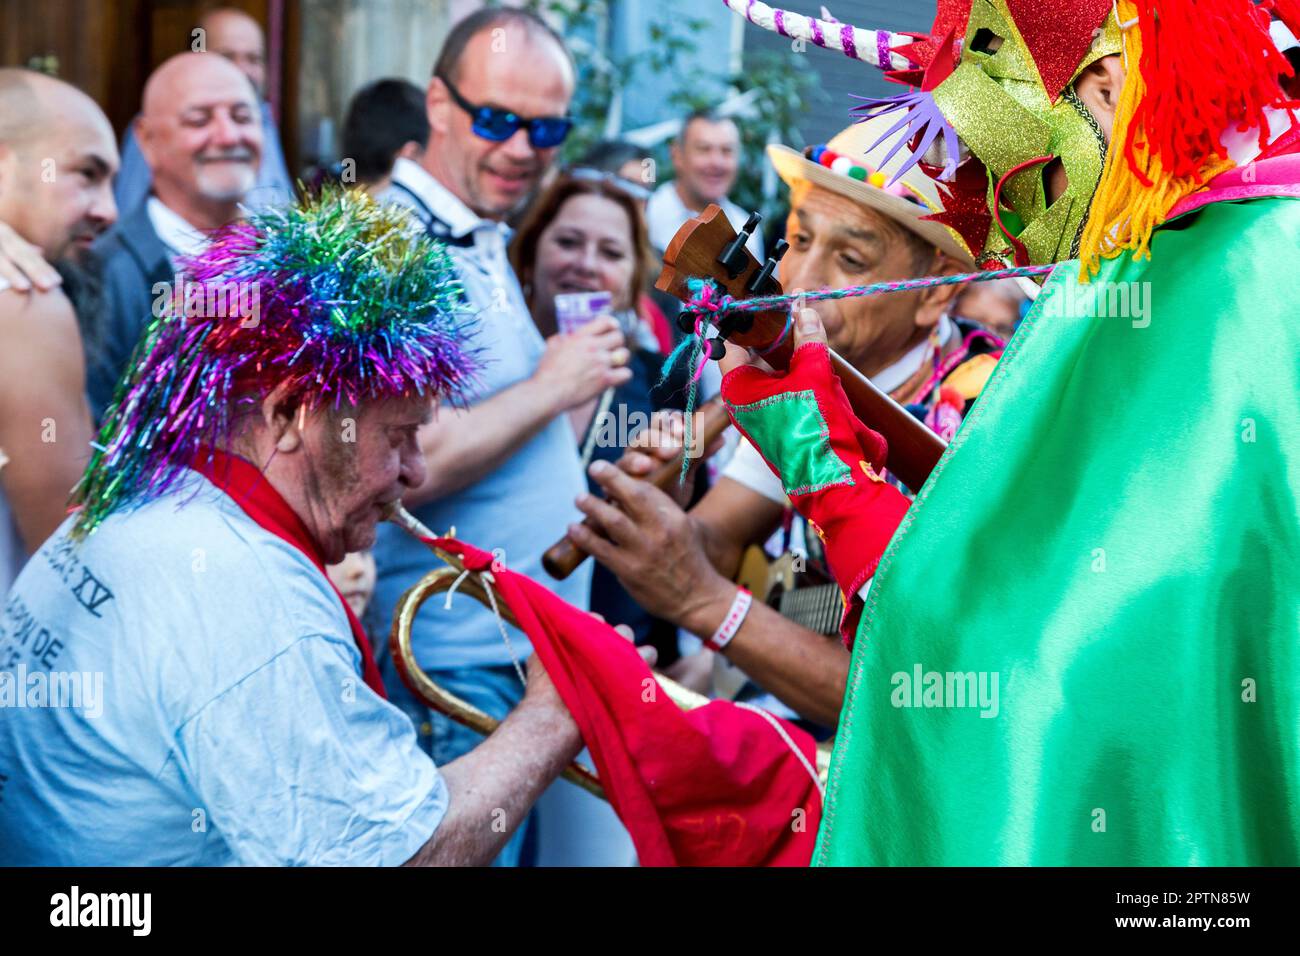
(1125,212)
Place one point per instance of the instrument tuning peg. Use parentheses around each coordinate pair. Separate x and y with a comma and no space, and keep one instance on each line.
(686,321)
(733,257)
(717,349)
(762,281)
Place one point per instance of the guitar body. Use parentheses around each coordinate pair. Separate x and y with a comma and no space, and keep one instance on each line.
(797,587)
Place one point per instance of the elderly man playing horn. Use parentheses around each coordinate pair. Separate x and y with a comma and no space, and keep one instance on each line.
(181,682)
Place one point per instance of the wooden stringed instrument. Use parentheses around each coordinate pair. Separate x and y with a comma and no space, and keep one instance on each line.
(706,246)
(562,558)
(796,585)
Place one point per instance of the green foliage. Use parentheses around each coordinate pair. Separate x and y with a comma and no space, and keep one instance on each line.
(785,86)
(786,89)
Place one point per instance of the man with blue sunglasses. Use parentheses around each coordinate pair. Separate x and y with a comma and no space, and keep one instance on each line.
(498,105)
(497,125)
(505,471)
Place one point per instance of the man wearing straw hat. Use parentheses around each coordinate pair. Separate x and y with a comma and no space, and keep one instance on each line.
(1112,536)
(846,227)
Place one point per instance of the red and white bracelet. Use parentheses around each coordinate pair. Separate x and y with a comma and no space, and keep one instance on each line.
(731,623)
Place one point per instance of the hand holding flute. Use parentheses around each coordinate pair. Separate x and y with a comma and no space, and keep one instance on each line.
(563,557)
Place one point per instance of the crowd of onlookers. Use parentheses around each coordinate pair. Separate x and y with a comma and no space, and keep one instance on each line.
(474,157)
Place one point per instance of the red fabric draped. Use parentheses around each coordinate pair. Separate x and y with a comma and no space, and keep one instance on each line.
(250,489)
(712,786)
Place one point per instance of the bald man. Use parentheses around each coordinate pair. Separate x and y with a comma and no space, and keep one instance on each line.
(57,160)
(237,37)
(507,467)
(201,136)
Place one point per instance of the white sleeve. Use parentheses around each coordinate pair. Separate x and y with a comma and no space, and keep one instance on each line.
(748,468)
(300,763)
(662,220)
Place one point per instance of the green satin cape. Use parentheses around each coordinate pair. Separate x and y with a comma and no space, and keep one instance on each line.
(1115,534)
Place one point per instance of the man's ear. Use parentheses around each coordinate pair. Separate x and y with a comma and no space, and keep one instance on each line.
(145,138)
(411,150)
(437,106)
(937,299)
(1099,86)
(7,161)
(284,419)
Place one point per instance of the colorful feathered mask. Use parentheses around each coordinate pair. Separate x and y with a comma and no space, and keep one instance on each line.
(994,116)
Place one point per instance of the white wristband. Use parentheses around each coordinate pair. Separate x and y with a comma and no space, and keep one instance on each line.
(731,623)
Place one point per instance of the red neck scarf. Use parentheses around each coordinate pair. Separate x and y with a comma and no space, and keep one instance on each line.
(250,489)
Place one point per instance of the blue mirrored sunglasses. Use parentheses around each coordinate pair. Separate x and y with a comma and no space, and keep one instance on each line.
(499,125)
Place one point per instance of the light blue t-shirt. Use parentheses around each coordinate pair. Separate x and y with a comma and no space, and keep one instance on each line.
(521,508)
(222,718)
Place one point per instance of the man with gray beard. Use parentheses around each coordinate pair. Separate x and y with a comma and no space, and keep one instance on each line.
(201,135)
(238,37)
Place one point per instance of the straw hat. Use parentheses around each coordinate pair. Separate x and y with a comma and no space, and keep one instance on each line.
(847,166)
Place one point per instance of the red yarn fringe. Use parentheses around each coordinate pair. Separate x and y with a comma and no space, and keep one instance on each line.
(1288,11)
(1208,66)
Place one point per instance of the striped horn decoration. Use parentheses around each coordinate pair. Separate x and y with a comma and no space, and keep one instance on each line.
(869,46)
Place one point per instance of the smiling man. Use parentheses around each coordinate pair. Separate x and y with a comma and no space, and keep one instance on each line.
(505,470)
(234,35)
(57,159)
(202,139)
(243,721)
(706,159)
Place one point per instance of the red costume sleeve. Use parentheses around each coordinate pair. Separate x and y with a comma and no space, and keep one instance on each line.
(829,463)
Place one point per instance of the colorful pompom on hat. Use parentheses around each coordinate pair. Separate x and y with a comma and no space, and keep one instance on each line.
(854,165)
(338,299)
